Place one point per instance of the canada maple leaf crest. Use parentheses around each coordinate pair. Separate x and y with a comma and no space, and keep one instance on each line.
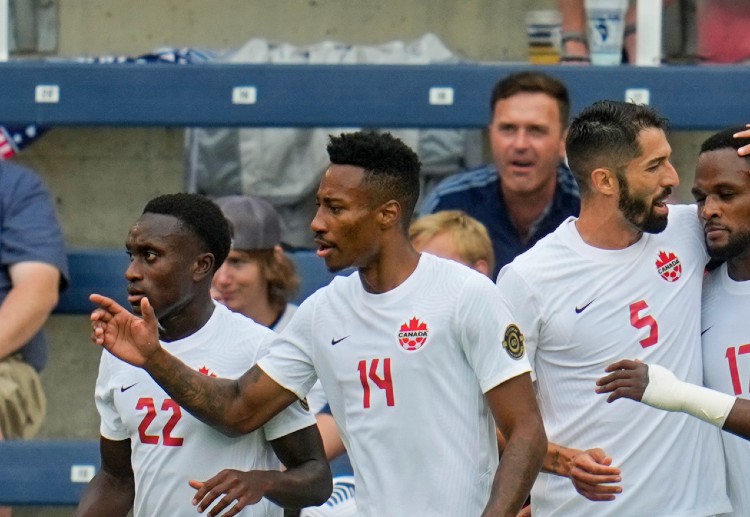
(205,371)
(668,266)
(413,334)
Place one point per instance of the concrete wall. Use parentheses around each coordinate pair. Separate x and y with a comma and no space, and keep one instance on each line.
(103,176)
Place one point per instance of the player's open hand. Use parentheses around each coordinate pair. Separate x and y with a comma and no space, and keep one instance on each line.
(593,475)
(233,485)
(132,339)
(744,150)
(626,379)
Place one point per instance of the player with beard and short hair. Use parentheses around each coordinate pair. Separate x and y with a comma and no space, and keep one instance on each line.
(623,278)
(418,355)
(722,191)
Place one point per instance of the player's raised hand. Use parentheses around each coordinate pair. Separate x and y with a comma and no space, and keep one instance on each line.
(593,475)
(745,149)
(128,337)
(233,485)
(626,379)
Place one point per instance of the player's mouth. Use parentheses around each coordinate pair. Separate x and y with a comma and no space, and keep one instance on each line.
(134,298)
(660,205)
(325,248)
(713,231)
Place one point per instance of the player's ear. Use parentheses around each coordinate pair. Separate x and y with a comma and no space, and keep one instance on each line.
(605,181)
(203,265)
(389,213)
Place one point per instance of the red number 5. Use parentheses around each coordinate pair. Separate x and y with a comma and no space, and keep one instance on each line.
(646,321)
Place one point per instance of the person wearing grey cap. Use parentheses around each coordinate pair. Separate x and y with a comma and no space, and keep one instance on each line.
(257,279)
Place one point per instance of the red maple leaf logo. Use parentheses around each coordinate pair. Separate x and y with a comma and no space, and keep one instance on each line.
(413,334)
(206,371)
(413,324)
(668,266)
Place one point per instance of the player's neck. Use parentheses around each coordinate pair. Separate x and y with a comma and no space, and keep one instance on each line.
(395,262)
(605,228)
(186,320)
(738,267)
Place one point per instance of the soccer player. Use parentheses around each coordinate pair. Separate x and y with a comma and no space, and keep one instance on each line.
(623,278)
(150,447)
(415,353)
(722,190)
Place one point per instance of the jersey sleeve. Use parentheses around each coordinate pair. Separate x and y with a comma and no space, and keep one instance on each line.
(291,419)
(111,425)
(489,335)
(289,361)
(517,295)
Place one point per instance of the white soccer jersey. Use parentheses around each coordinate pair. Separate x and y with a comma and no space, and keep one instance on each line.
(405,372)
(583,308)
(170,446)
(726,367)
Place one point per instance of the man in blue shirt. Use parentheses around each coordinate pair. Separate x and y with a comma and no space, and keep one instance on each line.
(528,190)
(33,271)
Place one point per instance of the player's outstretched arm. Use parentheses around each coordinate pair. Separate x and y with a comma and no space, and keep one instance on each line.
(516,414)
(658,387)
(305,482)
(232,406)
(744,150)
(112,490)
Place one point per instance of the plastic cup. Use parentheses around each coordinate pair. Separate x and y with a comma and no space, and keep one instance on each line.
(606,26)
(543,30)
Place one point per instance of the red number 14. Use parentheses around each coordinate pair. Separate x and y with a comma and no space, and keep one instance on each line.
(384,382)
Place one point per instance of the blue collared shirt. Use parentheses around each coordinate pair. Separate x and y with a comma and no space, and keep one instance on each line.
(477,192)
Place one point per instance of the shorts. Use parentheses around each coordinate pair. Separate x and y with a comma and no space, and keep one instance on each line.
(22,401)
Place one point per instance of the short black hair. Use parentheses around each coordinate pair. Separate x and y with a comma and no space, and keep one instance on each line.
(201,216)
(606,134)
(533,82)
(725,139)
(391,167)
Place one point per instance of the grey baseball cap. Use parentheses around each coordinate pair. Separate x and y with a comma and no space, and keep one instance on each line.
(254,220)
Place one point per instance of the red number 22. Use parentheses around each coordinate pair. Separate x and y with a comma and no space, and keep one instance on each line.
(147,403)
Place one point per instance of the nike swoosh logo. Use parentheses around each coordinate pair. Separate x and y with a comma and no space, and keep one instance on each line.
(704,331)
(579,310)
(123,389)
(337,341)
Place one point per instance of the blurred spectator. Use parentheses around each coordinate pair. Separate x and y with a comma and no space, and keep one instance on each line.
(258,280)
(528,190)
(713,21)
(33,272)
(723,28)
(455,235)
